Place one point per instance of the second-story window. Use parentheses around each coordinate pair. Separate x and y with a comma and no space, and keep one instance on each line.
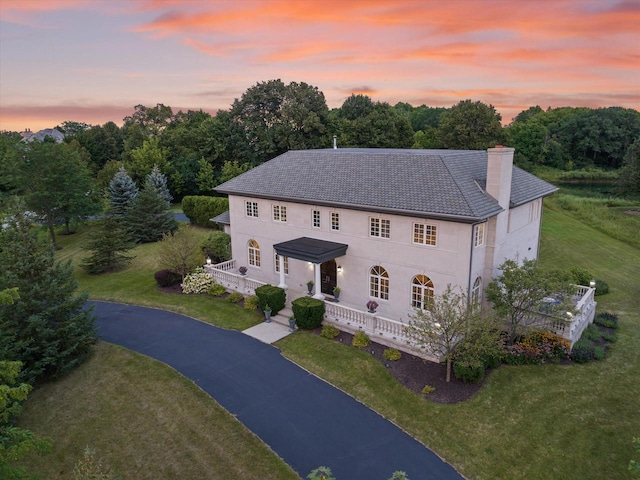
(335,221)
(315,218)
(424,234)
(478,235)
(379,227)
(252,209)
(279,213)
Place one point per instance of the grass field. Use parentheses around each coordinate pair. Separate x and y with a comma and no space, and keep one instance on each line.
(547,422)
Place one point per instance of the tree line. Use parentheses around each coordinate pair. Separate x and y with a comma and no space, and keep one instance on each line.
(197,150)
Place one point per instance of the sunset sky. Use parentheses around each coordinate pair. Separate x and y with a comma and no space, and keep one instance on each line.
(92,61)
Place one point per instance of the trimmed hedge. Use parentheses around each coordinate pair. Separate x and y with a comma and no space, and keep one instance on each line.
(273,296)
(199,208)
(309,312)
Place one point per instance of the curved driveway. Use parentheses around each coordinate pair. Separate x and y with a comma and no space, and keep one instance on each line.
(303,419)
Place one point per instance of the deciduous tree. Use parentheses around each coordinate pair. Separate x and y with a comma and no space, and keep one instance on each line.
(55,182)
(519,295)
(180,251)
(442,324)
(15,442)
(470,126)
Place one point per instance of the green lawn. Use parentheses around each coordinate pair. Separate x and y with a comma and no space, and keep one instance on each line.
(144,420)
(569,422)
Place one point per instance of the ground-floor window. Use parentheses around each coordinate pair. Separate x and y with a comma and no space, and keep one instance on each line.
(421,291)
(379,283)
(254,253)
(286,263)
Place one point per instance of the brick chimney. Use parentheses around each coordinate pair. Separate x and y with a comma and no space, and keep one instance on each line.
(499,170)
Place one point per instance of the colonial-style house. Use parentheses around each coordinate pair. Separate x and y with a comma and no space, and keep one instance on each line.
(388,226)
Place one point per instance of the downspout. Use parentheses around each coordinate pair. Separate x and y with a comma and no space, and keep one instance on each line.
(470,265)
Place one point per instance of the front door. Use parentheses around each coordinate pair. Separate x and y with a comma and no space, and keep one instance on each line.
(328,277)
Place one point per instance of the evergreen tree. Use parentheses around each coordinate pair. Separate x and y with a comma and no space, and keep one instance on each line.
(122,193)
(149,218)
(109,241)
(159,181)
(48,328)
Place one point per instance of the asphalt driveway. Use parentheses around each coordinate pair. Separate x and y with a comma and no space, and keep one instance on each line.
(303,419)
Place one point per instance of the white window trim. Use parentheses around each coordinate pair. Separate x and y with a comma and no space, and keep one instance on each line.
(313,219)
(335,226)
(479,234)
(276,263)
(379,227)
(424,236)
(251,209)
(281,215)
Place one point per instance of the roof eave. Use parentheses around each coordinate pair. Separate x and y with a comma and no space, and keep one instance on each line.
(370,208)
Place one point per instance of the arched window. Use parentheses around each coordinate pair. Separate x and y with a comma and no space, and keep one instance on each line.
(254,253)
(379,283)
(476,293)
(421,291)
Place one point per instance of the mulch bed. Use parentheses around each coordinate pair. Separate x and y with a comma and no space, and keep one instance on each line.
(414,373)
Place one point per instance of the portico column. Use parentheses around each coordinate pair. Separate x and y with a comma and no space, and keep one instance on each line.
(318,295)
(281,266)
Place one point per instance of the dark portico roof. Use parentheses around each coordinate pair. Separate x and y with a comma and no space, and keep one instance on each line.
(446,184)
(310,249)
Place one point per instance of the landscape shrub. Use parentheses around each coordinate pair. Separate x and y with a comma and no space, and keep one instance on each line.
(537,347)
(598,353)
(583,351)
(199,209)
(217,246)
(606,319)
(329,331)
(273,296)
(360,339)
(427,389)
(234,297)
(309,312)
(166,278)
(602,287)
(469,371)
(580,276)
(251,303)
(321,473)
(216,290)
(592,333)
(391,354)
(609,337)
(197,282)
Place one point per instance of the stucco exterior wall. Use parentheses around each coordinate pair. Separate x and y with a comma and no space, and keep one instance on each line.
(445,263)
(453,260)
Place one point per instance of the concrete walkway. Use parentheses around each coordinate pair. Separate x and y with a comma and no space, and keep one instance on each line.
(303,419)
(269,332)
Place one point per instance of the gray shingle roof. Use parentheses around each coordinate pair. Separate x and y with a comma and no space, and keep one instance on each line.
(424,183)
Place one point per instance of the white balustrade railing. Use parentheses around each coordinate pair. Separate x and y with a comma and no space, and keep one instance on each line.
(225,266)
(391,332)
